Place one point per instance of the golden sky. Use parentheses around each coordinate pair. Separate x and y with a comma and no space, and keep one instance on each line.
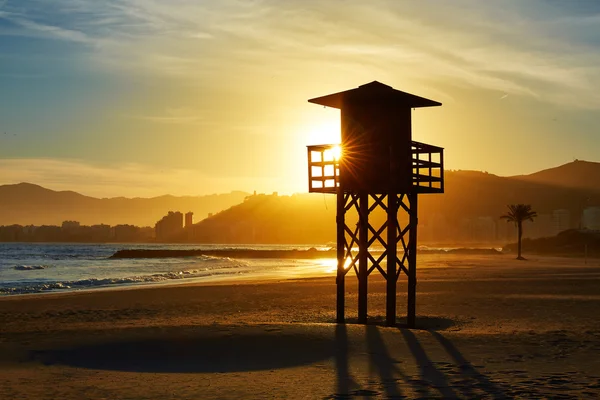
(142,98)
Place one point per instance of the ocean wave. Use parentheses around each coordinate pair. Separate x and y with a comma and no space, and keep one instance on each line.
(29,267)
(101,282)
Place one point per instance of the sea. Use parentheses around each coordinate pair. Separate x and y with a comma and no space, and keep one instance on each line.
(50,267)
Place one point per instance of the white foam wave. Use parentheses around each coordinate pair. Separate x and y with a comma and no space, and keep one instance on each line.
(99,282)
(29,267)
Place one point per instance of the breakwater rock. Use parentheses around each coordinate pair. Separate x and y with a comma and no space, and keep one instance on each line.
(231,253)
(311,253)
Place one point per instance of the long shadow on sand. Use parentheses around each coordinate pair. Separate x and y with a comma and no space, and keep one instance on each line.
(237,349)
(469,372)
(233,351)
(387,368)
(379,358)
(428,371)
(428,323)
(434,379)
(345,381)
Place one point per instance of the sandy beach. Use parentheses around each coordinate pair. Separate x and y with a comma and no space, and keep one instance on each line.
(489,327)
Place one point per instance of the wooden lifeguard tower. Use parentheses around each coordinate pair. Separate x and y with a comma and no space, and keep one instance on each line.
(377,166)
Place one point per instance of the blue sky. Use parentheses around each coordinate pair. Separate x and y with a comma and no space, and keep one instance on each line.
(141,97)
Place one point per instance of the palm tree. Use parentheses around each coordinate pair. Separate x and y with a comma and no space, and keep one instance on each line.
(517,213)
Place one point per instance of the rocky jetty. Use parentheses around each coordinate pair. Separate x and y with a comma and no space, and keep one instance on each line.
(311,253)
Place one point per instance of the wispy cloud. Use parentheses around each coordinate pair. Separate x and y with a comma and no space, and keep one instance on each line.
(182,115)
(227,79)
(32,28)
(509,53)
(50,30)
(527,49)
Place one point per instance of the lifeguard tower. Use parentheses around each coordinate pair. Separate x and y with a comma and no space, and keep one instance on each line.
(376,166)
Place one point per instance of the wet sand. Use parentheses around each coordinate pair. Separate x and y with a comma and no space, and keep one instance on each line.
(490,327)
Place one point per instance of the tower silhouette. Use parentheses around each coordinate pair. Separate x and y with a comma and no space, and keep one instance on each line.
(377,167)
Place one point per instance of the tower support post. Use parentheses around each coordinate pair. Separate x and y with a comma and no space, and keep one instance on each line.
(412,260)
(341,259)
(392,257)
(363,248)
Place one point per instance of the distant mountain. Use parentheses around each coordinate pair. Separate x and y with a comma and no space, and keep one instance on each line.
(26,203)
(576,174)
(300,218)
(469,196)
(473,193)
(310,218)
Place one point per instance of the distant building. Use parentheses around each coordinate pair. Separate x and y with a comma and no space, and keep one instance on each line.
(543,226)
(434,228)
(29,230)
(101,232)
(101,227)
(506,231)
(189,219)
(484,229)
(11,233)
(70,229)
(476,229)
(70,225)
(591,218)
(561,220)
(169,226)
(124,233)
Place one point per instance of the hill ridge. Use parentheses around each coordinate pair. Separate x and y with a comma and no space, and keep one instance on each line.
(31,204)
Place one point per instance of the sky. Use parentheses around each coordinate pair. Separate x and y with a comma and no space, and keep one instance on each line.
(148,97)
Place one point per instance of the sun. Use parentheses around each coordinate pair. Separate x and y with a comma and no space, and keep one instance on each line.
(336,152)
(322,129)
(332,153)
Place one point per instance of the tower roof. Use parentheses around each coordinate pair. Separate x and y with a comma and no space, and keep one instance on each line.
(374,92)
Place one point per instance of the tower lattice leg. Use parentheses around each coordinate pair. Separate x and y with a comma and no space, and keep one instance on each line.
(363,253)
(389,236)
(412,262)
(341,255)
(392,259)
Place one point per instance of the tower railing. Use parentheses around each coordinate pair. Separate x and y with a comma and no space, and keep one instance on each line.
(323,168)
(427,168)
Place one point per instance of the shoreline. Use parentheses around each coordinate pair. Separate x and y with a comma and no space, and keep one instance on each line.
(193,282)
(426,262)
(434,269)
(489,327)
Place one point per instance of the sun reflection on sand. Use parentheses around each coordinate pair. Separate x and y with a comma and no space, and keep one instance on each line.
(329,265)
